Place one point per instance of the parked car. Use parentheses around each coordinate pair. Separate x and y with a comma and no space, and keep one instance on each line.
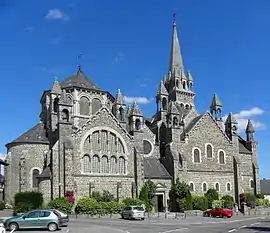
(35,219)
(65,217)
(133,212)
(218,212)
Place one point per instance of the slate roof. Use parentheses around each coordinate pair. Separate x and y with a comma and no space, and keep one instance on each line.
(154,169)
(79,80)
(37,134)
(46,173)
(265,186)
(242,146)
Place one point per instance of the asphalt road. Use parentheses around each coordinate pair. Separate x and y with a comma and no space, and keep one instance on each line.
(189,225)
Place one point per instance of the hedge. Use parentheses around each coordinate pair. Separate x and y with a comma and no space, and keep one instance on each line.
(128,201)
(91,206)
(199,203)
(62,204)
(29,200)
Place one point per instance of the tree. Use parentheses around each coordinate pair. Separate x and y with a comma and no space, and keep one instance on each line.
(228,201)
(147,194)
(211,195)
(180,196)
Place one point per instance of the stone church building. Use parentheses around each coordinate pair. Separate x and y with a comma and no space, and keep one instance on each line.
(90,140)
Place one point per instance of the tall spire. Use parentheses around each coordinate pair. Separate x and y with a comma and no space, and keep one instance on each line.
(176,61)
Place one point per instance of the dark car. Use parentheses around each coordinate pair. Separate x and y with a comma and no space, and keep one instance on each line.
(35,219)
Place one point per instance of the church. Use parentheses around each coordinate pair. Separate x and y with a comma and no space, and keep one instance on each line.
(89,140)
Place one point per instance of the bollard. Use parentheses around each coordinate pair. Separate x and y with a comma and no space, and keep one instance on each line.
(158,214)
(185,215)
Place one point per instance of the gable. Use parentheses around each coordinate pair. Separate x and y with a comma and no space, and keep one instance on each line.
(103,119)
(206,127)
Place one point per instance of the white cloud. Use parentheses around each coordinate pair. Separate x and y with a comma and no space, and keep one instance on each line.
(243,116)
(56,14)
(2,155)
(139,100)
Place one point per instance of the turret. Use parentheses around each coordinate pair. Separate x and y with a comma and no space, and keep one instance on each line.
(135,119)
(162,100)
(231,128)
(250,131)
(216,107)
(119,107)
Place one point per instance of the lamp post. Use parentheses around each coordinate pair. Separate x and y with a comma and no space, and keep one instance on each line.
(133,189)
(118,186)
(90,186)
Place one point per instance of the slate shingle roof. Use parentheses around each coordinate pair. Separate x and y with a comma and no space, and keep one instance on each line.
(79,80)
(265,186)
(242,146)
(46,173)
(154,169)
(37,134)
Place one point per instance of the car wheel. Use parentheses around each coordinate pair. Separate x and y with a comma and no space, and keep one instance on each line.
(129,217)
(122,216)
(52,226)
(221,216)
(142,218)
(13,226)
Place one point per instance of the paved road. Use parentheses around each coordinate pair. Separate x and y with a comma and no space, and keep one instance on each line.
(189,225)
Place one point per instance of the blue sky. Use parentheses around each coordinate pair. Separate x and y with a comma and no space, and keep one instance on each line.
(126,44)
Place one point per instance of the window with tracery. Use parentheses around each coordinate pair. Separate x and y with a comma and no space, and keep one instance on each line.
(86,164)
(113,165)
(96,105)
(104,164)
(84,106)
(122,164)
(95,164)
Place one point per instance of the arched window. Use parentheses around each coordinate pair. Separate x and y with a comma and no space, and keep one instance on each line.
(113,165)
(86,164)
(96,105)
(204,187)
(196,156)
(221,157)
(228,187)
(95,164)
(209,151)
(175,122)
(138,124)
(164,104)
(84,106)
(187,107)
(252,184)
(55,104)
(191,187)
(184,85)
(104,164)
(65,115)
(122,164)
(35,174)
(217,186)
(177,83)
(121,113)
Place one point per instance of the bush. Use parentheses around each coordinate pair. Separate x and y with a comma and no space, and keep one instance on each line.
(260,196)
(106,196)
(228,201)
(62,204)
(185,203)
(250,199)
(217,203)
(211,195)
(262,202)
(128,201)
(91,206)
(29,200)
(200,203)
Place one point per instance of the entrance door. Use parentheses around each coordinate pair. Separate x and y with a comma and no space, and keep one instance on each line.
(160,204)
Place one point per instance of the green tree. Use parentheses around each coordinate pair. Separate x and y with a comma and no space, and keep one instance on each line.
(228,201)
(96,195)
(147,194)
(107,196)
(211,195)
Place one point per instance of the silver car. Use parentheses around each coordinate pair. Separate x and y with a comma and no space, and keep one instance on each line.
(133,212)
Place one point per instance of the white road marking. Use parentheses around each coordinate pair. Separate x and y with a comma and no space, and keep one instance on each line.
(232,230)
(122,231)
(237,220)
(242,227)
(67,230)
(169,231)
(256,223)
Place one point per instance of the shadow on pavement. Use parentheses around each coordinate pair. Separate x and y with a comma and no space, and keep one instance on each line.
(259,229)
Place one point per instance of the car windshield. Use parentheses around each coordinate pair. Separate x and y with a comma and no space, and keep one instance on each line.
(140,208)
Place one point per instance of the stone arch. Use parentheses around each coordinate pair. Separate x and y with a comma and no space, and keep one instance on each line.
(209,150)
(251,184)
(175,121)
(95,164)
(204,187)
(121,165)
(138,124)
(221,156)
(104,164)
(34,172)
(191,187)
(164,104)
(55,104)
(96,105)
(217,186)
(196,155)
(105,128)
(86,163)
(65,115)
(84,104)
(228,187)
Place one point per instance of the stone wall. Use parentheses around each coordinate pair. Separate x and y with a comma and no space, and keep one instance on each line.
(31,157)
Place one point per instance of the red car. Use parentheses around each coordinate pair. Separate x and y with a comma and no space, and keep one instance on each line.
(218,212)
